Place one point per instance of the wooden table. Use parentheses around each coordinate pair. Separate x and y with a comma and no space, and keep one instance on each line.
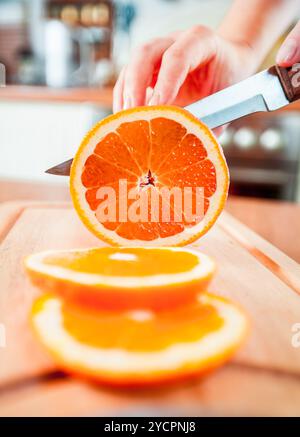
(276,221)
(263,378)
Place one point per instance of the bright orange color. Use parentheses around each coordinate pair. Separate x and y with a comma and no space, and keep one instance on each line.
(150,147)
(122,278)
(140,347)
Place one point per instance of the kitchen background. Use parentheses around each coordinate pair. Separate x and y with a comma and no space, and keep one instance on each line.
(62,58)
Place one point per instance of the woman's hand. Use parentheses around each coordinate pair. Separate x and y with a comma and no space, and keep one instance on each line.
(289,52)
(182,68)
(186,66)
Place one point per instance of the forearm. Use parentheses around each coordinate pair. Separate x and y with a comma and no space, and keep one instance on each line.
(258,24)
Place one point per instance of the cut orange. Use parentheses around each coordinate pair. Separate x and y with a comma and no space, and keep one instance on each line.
(140,347)
(151,148)
(115,278)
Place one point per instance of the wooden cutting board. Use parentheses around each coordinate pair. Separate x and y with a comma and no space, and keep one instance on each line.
(262,379)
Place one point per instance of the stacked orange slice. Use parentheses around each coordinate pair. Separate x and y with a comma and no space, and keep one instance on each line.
(132,316)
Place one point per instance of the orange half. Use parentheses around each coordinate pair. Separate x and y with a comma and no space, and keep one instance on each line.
(137,348)
(120,278)
(151,148)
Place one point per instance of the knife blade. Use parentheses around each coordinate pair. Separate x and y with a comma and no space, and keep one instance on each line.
(267,90)
(62,169)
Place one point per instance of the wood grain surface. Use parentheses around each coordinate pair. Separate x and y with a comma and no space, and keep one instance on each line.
(276,221)
(263,378)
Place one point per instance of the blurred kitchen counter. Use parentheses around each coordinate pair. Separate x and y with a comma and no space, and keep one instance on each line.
(276,221)
(100,96)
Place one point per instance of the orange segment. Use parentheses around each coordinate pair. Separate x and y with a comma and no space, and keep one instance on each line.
(137,132)
(121,278)
(141,330)
(189,151)
(113,150)
(151,148)
(140,347)
(135,262)
(97,172)
(201,174)
(165,135)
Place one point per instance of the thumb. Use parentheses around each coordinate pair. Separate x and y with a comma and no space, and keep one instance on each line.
(289,52)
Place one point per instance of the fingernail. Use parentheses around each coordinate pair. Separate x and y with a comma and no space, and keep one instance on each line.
(116,107)
(127,102)
(155,99)
(149,95)
(287,51)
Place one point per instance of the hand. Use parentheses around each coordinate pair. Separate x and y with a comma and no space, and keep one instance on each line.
(182,68)
(289,52)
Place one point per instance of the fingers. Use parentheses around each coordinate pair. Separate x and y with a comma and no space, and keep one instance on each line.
(118,92)
(176,56)
(289,52)
(192,49)
(130,89)
(140,70)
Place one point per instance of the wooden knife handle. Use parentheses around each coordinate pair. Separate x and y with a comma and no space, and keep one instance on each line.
(290,80)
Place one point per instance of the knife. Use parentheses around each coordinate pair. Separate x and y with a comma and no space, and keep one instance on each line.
(268,90)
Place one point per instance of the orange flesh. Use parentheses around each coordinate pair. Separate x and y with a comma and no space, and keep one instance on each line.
(126,261)
(174,157)
(112,330)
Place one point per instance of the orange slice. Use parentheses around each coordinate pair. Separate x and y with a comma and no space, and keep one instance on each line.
(155,150)
(122,277)
(140,347)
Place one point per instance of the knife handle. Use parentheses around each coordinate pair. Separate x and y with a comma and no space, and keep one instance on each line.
(290,81)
